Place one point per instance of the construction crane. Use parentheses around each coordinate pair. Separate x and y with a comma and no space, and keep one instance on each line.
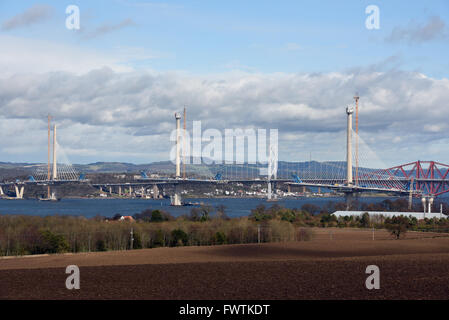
(356,98)
(184,147)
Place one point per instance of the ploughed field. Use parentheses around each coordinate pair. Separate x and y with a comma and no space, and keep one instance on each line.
(330,266)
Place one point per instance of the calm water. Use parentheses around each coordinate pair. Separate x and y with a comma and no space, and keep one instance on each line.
(109,207)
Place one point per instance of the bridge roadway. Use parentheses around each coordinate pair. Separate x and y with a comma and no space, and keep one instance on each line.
(332,184)
(41,182)
(382,185)
(354,189)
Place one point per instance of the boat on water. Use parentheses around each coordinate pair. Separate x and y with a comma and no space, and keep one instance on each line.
(50,198)
(190,204)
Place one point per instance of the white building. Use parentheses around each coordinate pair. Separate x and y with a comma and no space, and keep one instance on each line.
(417,215)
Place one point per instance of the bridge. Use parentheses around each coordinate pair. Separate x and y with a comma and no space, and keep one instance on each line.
(424,179)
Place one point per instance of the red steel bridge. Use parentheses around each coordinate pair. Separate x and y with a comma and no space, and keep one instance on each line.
(425,177)
(420,178)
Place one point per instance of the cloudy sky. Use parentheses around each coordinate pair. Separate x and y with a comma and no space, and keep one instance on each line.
(113,85)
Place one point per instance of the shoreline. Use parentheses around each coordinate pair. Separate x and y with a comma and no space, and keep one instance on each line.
(217,197)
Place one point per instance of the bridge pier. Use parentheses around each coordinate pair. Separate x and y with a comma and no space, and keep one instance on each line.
(176,200)
(110,190)
(119,190)
(1,191)
(130,191)
(430,204)
(155,192)
(349,197)
(269,193)
(410,195)
(289,188)
(19,192)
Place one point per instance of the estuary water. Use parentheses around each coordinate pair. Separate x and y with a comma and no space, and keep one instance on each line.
(235,207)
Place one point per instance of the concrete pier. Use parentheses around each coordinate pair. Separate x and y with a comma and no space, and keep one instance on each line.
(19,192)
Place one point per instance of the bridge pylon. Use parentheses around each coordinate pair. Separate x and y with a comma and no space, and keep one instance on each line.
(349,112)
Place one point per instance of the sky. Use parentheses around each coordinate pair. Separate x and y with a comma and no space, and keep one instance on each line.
(113,86)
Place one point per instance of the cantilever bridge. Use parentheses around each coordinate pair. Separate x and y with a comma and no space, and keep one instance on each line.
(421,178)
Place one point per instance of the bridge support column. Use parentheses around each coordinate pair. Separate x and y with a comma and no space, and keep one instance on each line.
(423,200)
(269,193)
(410,195)
(349,199)
(289,188)
(176,200)
(130,191)
(155,192)
(110,190)
(119,190)
(430,205)
(1,191)
(410,200)
(19,192)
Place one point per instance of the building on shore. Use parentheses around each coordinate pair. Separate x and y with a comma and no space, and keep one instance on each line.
(417,215)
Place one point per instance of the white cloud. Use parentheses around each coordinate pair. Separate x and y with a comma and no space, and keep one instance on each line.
(109,115)
(27,56)
(435,128)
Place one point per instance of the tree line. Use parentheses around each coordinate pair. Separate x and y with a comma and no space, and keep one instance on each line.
(204,225)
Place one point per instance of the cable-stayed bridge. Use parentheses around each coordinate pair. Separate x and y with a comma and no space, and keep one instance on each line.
(415,179)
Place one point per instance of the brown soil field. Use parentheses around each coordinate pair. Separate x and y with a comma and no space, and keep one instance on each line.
(330,266)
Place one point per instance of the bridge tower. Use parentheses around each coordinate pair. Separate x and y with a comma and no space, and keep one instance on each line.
(272,170)
(55,170)
(178,145)
(349,182)
(48,164)
(176,200)
(349,112)
(184,118)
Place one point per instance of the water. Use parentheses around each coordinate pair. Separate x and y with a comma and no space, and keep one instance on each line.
(109,207)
